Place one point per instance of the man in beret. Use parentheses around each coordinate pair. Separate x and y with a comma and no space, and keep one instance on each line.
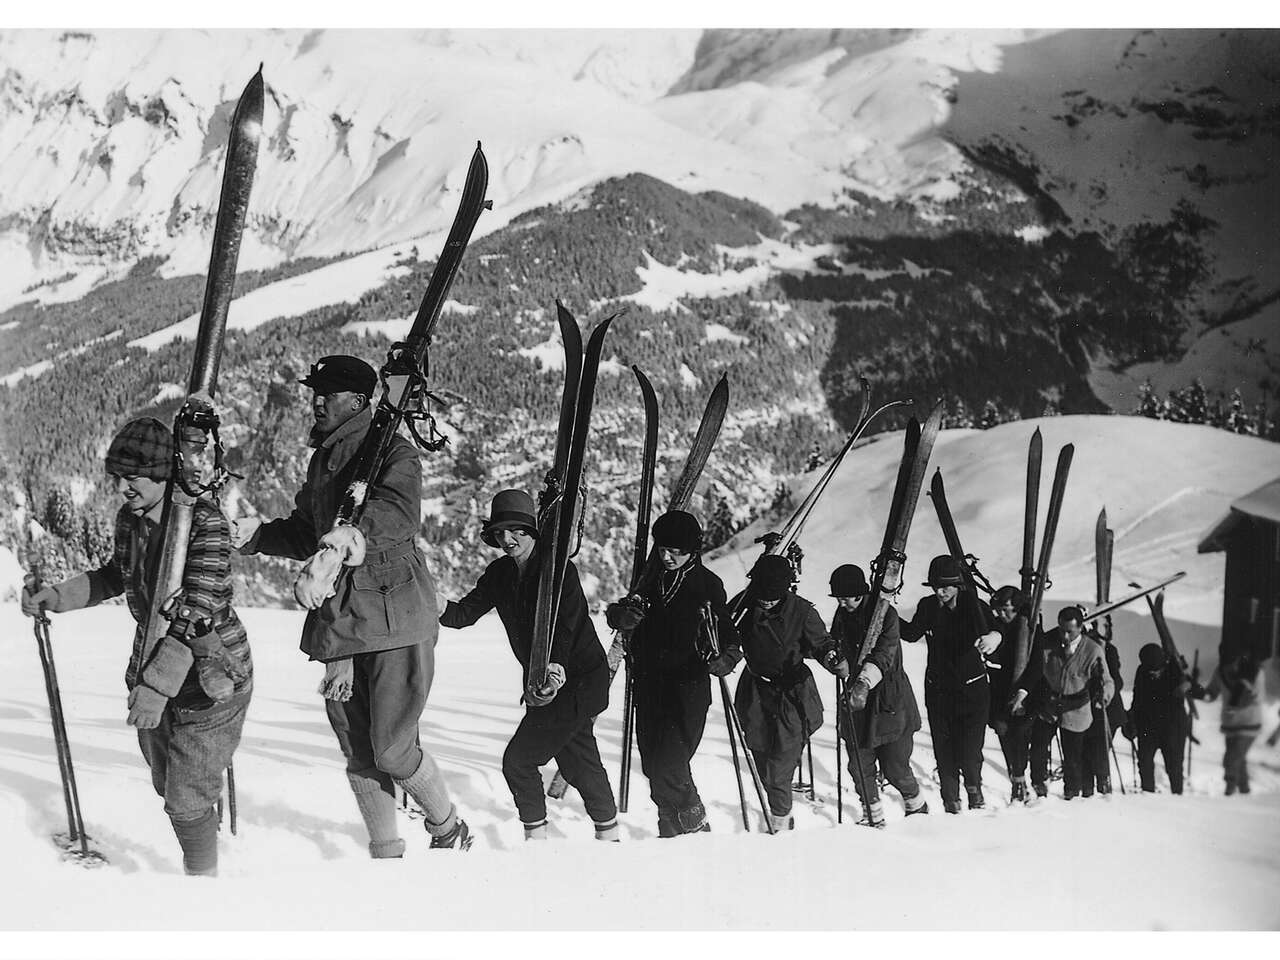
(672,664)
(956,626)
(776,698)
(376,634)
(188,695)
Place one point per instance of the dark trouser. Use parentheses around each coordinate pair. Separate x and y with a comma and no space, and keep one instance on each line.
(1095,760)
(894,759)
(775,771)
(187,754)
(1235,769)
(1171,743)
(573,745)
(670,719)
(1074,748)
(958,728)
(1042,733)
(1014,734)
(377,728)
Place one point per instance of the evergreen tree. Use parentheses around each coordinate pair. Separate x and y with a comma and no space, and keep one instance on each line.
(1236,418)
(990,416)
(1149,405)
(815,457)
(721,526)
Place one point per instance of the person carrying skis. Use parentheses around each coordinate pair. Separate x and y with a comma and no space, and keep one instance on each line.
(1074,686)
(558,722)
(672,665)
(1097,766)
(1235,678)
(1158,717)
(882,714)
(1016,665)
(187,697)
(956,625)
(376,635)
(776,698)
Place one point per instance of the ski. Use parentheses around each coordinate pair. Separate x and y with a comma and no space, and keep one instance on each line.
(1040,577)
(1103,547)
(886,578)
(1106,608)
(1156,607)
(404,374)
(197,412)
(783,540)
(973,577)
(560,501)
(1030,512)
(639,552)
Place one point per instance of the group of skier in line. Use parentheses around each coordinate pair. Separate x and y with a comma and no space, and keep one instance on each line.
(376,635)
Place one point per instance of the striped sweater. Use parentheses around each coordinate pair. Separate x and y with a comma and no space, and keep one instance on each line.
(206,589)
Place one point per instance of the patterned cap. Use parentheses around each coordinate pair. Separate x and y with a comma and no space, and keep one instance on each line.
(142,448)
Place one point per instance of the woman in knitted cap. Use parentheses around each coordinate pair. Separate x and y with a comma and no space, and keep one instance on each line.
(673,664)
(558,722)
(187,696)
(777,699)
(1158,716)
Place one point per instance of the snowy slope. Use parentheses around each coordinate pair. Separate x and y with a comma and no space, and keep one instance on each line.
(1197,862)
(298,862)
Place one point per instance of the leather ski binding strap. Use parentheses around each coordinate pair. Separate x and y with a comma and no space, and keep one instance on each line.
(408,397)
(201,416)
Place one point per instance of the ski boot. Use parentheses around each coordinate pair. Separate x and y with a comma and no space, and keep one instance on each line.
(459,838)
(1041,789)
(1019,792)
(693,819)
(951,806)
(608,831)
(976,801)
(922,805)
(535,831)
(782,822)
(876,816)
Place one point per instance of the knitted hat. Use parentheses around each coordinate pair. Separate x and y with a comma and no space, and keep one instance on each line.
(848,580)
(944,571)
(510,510)
(142,448)
(1151,656)
(339,374)
(771,577)
(678,530)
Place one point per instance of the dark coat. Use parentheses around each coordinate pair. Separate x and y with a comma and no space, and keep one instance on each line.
(776,698)
(954,668)
(1159,705)
(891,709)
(574,644)
(1015,636)
(388,601)
(1116,714)
(669,646)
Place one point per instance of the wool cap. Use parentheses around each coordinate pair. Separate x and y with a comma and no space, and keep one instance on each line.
(339,373)
(1010,595)
(1151,656)
(510,510)
(944,571)
(848,580)
(142,448)
(771,577)
(678,530)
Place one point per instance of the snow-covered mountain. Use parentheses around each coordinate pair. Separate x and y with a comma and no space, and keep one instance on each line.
(114,138)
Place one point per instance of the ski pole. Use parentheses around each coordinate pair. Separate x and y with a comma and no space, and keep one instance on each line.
(808,746)
(733,747)
(856,752)
(839,772)
(62,744)
(231,796)
(628,731)
(736,725)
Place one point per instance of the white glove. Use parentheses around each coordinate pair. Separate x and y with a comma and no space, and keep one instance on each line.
(319,578)
(988,642)
(243,530)
(547,692)
(348,541)
(339,677)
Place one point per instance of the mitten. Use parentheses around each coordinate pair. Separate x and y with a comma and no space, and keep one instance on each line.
(339,678)
(547,692)
(319,577)
(348,541)
(215,668)
(722,665)
(626,614)
(857,695)
(243,532)
(146,707)
(168,667)
(988,642)
(836,664)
